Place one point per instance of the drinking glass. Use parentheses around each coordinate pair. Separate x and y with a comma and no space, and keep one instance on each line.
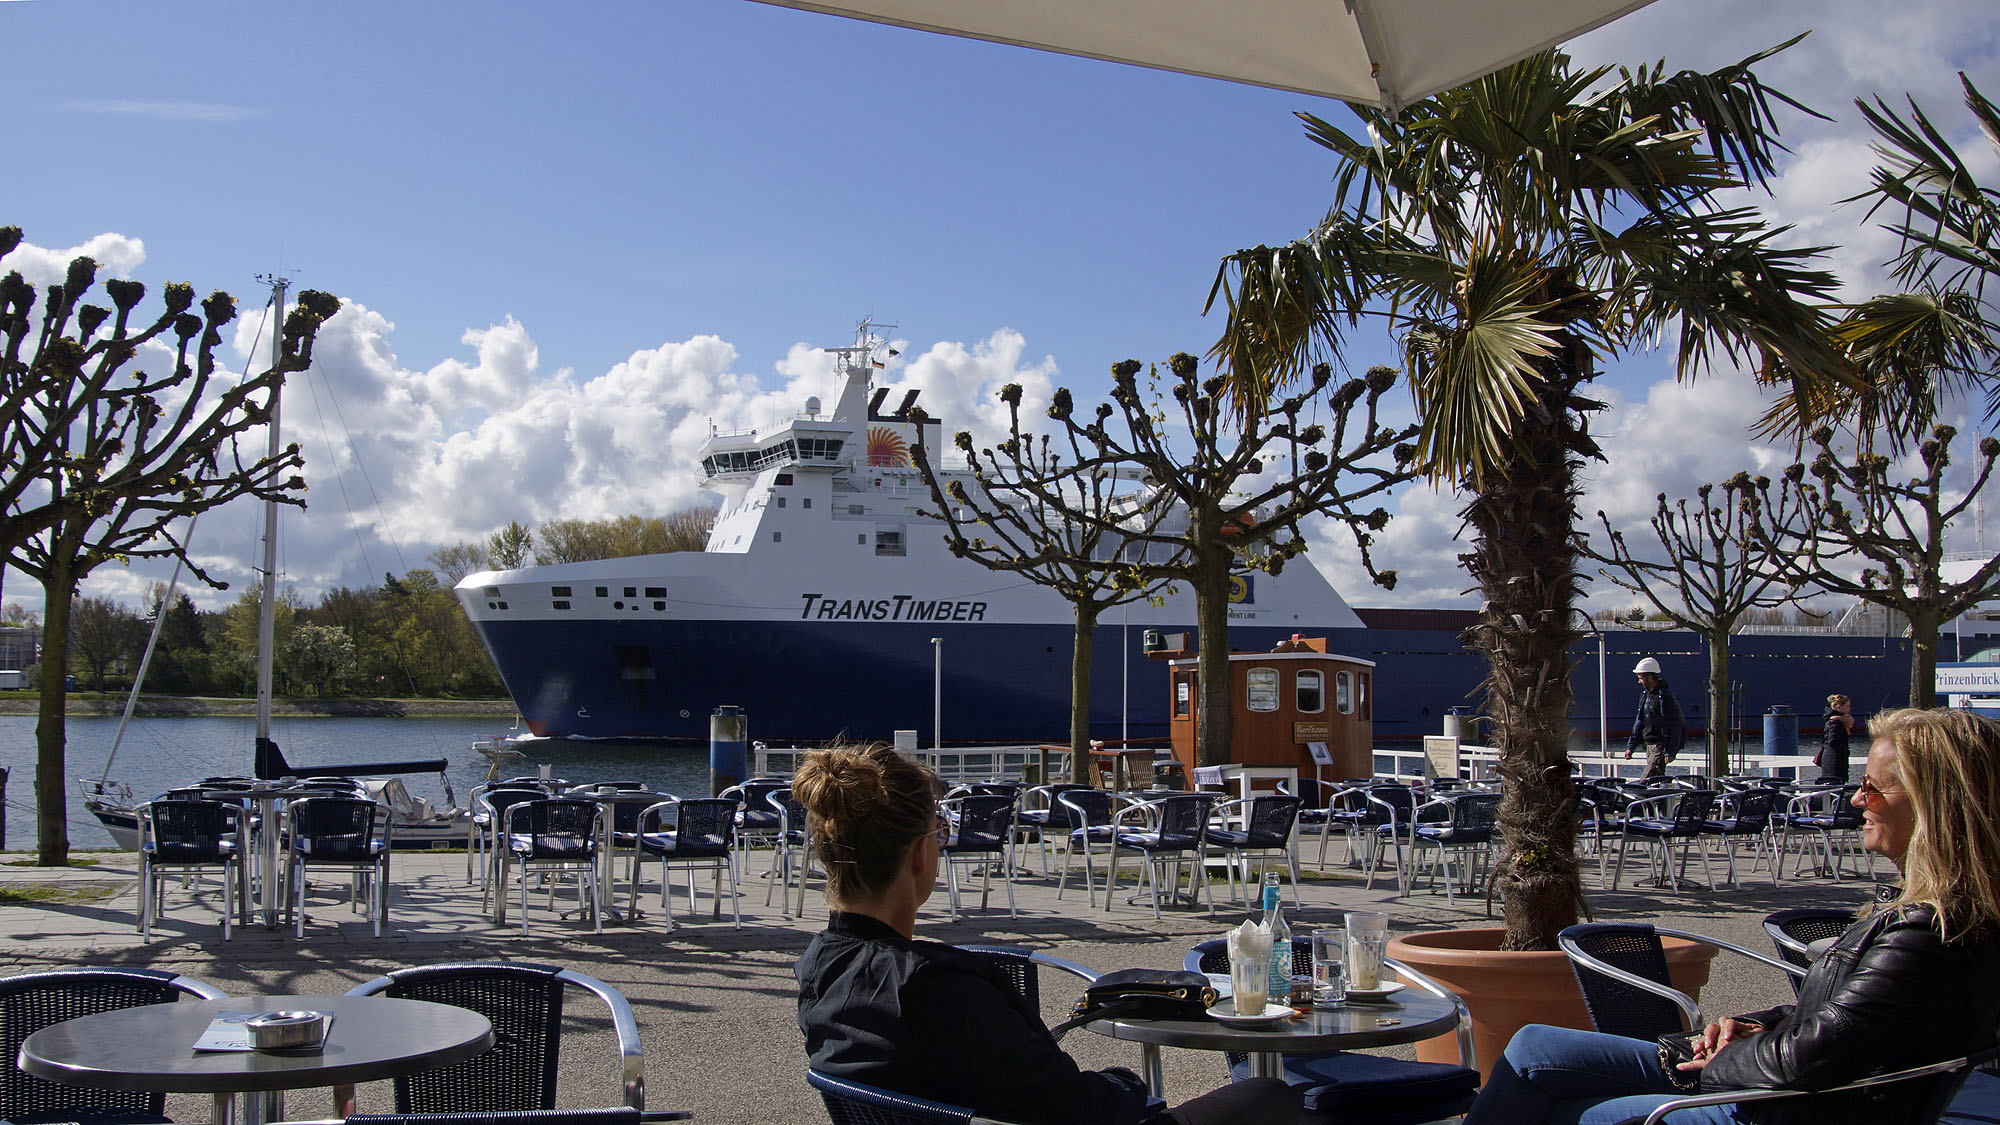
(1367,943)
(1250,982)
(1329,954)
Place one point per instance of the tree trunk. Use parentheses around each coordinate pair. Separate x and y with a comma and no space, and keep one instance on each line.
(1924,630)
(1212,620)
(51,792)
(1718,701)
(1524,558)
(1079,695)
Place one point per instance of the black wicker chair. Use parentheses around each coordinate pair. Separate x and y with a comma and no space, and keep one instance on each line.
(34,1001)
(1355,1088)
(1176,833)
(1266,833)
(187,835)
(343,833)
(703,835)
(1621,968)
(525,1003)
(1794,931)
(982,834)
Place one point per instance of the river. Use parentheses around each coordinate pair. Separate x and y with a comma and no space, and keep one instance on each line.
(160,753)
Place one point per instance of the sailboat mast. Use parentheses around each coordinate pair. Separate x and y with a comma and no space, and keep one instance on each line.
(267,609)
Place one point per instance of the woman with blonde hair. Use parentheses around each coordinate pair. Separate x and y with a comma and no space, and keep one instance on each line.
(1835,728)
(1915,981)
(880,1007)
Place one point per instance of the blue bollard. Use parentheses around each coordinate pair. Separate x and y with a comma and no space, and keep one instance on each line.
(728,748)
(1781,730)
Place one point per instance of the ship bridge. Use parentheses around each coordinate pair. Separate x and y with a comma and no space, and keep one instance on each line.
(806,442)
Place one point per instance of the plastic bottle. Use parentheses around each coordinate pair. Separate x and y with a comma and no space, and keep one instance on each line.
(1281,942)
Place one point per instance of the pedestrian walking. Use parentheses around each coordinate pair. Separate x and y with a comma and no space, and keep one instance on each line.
(1836,726)
(1659,726)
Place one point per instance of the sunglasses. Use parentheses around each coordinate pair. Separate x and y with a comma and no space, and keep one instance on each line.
(943,828)
(1869,790)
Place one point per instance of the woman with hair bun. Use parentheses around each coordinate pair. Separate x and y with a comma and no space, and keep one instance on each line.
(922,1018)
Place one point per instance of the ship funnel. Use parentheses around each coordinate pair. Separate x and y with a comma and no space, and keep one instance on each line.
(903,408)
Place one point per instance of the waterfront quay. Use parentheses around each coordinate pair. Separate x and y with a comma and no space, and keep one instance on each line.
(715,1004)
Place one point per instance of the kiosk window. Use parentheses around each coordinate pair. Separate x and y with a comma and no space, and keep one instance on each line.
(1343,692)
(1261,689)
(1311,690)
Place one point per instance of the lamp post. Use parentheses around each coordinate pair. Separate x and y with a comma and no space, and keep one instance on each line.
(937,694)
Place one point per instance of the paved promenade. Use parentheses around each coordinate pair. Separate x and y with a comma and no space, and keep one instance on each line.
(714,1003)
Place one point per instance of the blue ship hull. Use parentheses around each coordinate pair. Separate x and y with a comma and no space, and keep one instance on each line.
(805,681)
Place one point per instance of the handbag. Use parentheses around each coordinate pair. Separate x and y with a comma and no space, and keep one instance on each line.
(1154,994)
(1677,1048)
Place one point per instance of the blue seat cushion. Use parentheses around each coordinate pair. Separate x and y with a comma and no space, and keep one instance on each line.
(90,1117)
(1977,1103)
(1382,1091)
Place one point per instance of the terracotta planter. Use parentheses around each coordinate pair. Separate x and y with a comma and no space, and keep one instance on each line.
(1508,990)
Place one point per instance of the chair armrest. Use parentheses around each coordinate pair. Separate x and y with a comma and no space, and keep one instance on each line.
(1760,958)
(631,1053)
(1690,1011)
(1633,808)
(1732,1097)
(1467,1057)
(1038,957)
(657,812)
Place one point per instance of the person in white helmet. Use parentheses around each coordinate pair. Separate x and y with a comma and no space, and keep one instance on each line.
(1659,726)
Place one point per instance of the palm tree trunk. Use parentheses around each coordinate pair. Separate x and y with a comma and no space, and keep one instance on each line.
(1524,558)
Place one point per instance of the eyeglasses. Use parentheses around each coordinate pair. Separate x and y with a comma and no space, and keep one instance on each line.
(943,828)
(1869,789)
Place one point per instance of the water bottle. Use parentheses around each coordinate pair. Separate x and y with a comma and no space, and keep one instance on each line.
(1281,942)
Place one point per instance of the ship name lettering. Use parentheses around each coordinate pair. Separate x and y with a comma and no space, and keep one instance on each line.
(901,607)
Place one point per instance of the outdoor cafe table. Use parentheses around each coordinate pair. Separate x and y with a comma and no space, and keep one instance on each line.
(1405,1017)
(152,1048)
(261,869)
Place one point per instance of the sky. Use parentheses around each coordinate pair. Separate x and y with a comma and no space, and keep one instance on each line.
(571,238)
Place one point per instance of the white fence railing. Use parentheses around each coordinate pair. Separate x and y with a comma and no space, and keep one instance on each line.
(977,763)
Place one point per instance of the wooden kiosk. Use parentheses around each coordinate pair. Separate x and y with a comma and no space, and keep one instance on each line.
(1297,706)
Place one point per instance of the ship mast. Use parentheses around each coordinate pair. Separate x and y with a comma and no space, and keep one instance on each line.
(267,607)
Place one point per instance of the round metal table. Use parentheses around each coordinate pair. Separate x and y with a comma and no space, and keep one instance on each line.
(152,1048)
(1405,1017)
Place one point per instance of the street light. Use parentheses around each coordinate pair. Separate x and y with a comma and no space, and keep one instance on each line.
(937,695)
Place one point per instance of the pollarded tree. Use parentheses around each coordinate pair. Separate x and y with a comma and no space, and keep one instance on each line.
(103,460)
(1716,571)
(1020,521)
(1860,506)
(1222,490)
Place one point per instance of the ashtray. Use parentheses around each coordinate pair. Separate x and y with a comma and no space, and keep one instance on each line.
(279,1030)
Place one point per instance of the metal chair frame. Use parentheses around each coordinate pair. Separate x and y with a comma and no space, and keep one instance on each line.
(1171,830)
(156,857)
(1807,812)
(62,994)
(1092,819)
(1792,932)
(366,859)
(707,840)
(1690,813)
(1270,824)
(459,983)
(1940,1099)
(1040,812)
(1754,810)
(794,838)
(982,830)
(1690,1012)
(485,826)
(529,845)
(1469,830)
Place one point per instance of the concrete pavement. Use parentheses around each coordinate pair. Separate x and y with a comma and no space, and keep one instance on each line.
(715,1004)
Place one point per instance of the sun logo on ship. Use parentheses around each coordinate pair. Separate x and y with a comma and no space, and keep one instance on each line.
(886,448)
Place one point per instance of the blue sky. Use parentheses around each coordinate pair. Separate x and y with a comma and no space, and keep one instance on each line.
(571,236)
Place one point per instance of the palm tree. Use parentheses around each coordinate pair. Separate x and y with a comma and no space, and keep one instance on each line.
(1515,231)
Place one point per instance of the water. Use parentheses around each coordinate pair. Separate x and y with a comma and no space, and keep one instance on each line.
(160,753)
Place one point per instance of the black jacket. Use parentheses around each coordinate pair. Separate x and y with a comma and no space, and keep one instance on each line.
(923,1018)
(1888,995)
(1659,720)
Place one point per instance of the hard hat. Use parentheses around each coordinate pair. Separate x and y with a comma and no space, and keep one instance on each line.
(1647,665)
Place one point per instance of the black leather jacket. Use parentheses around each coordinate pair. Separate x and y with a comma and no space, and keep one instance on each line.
(1889,995)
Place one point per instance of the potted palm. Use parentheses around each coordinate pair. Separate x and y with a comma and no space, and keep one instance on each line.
(1517,232)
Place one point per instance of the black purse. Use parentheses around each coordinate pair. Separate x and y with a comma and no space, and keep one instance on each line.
(1677,1048)
(1151,994)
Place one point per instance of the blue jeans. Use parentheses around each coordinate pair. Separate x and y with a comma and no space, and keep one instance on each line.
(1561,1076)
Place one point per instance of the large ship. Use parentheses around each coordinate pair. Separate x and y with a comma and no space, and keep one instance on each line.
(827,603)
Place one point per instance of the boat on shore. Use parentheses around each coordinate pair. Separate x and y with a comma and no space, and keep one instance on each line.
(827,602)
